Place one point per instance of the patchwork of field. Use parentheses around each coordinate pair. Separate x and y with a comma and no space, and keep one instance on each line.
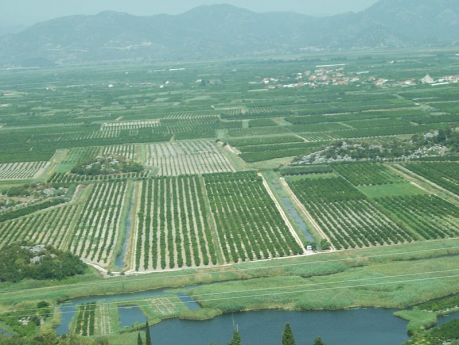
(180,222)
(345,215)
(366,204)
(88,226)
(192,206)
(187,158)
(22,170)
(128,125)
(176,228)
(444,174)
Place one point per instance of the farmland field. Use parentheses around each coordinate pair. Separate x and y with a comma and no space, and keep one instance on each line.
(173,178)
(187,158)
(22,170)
(98,229)
(174,227)
(85,323)
(345,215)
(249,225)
(446,175)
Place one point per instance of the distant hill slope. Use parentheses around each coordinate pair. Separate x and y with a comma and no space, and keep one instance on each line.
(227,31)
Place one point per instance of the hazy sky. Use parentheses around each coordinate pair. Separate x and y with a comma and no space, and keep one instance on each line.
(25,12)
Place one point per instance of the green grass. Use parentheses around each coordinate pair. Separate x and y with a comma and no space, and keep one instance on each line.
(419,320)
(389,190)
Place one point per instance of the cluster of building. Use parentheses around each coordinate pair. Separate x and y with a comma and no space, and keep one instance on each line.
(322,75)
(427,80)
(335,75)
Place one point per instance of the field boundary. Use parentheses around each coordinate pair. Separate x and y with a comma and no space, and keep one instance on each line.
(282,213)
(306,213)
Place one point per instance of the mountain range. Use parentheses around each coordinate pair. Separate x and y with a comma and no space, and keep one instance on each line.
(224,31)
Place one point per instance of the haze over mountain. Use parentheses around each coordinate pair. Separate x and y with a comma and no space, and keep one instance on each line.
(221,31)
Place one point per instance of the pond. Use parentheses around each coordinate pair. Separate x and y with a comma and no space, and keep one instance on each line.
(356,327)
(447,318)
(131,315)
(189,301)
(69,308)
(353,327)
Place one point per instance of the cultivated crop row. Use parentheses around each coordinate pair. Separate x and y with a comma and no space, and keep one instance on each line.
(443,174)
(85,322)
(65,178)
(366,173)
(21,170)
(173,225)
(50,227)
(188,115)
(427,215)
(325,189)
(356,224)
(187,158)
(98,226)
(127,151)
(126,125)
(248,223)
(345,215)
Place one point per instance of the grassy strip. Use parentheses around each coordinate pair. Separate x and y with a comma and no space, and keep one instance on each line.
(310,266)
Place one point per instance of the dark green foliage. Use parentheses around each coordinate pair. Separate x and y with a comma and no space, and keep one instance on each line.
(324,244)
(31,209)
(327,189)
(318,341)
(287,336)
(51,339)
(305,170)
(445,334)
(147,334)
(236,340)
(139,339)
(428,215)
(85,323)
(445,303)
(333,202)
(241,207)
(366,173)
(16,264)
(444,174)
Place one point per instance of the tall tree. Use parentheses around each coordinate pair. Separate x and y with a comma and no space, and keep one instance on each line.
(287,337)
(318,341)
(147,334)
(236,338)
(139,339)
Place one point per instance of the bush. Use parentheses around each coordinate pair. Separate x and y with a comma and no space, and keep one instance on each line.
(21,261)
